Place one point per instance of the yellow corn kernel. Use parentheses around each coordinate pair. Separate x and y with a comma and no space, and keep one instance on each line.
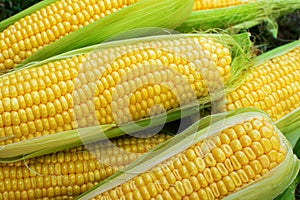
(276,96)
(77,168)
(114,85)
(220,180)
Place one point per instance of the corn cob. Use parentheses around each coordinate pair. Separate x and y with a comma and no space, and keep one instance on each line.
(57,19)
(230,159)
(207,4)
(68,173)
(272,86)
(90,89)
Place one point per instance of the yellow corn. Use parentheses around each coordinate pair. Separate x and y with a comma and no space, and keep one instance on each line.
(100,88)
(213,168)
(209,4)
(66,174)
(29,34)
(272,86)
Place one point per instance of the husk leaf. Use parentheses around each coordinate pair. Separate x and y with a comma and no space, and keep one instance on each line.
(293,136)
(289,122)
(297,147)
(235,18)
(289,193)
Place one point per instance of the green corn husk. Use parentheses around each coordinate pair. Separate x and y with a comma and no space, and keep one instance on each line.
(290,192)
(239,17)
(55,142)
(273,183)
(297,147)
(145,13)
(289,125)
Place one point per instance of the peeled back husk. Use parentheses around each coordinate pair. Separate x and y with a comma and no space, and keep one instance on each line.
(235,18)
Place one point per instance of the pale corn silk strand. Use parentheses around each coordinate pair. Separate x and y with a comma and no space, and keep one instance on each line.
(273,86)
(68,173)
(223,163)
(112,85)
(31,33)
(213,4)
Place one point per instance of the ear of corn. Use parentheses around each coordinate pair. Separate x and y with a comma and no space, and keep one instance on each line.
(237,17)
(40,34)
(60,94)
(272,84)
(68,173)
(229,159)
